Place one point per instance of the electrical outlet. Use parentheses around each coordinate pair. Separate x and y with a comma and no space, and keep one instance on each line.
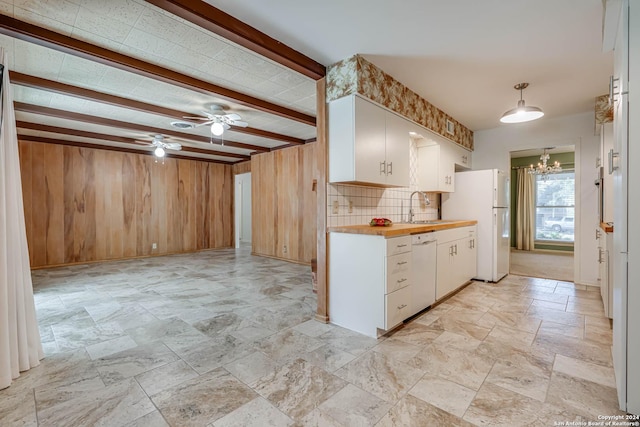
(284,249)
(335,207)
(350,206)
(154,246)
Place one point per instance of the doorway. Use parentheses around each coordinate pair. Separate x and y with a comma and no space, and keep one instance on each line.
(543,208)
(242,209)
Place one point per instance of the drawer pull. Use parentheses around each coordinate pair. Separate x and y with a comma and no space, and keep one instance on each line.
(401,246)
(400,307)
(401,280)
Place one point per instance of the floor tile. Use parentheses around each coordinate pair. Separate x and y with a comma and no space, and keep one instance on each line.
(297,387)
(416,333)
(583,397)
(250,368)
(152,419)
(562,329)
(496,406)
(107,348)
(584,370)
(203,400)
(328,358)
(128,363)
(352,406)
(444,394)
(380,375)
(573,347)
(256,413)
(164,377)
(349,341)
(397,349)
(413,412)
(460,366)
(119,403)
(287,344)
(18,409)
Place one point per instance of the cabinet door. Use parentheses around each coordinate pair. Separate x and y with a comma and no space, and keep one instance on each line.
(397,150)
(470,258)
(447,169)
(429,169)
(369,134)
(445,274)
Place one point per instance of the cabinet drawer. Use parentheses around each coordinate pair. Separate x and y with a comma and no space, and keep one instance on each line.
(398,271)
(398,245)
(396,307)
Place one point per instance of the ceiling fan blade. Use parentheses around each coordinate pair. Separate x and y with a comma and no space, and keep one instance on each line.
(173,146)
(226,126)
(195,118)
(233,116)
(240,123)
(204,123)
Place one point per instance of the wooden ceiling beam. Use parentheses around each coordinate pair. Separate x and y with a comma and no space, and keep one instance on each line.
(114,138)
(34,82)
(50,39)
(32,138)
(85,118)
(215,20)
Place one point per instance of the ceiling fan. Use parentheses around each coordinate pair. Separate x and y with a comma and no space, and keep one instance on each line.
(219,119)
(161,146)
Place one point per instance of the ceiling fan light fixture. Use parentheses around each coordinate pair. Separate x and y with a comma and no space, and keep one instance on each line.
(217,129)
(521,113)
(159,152)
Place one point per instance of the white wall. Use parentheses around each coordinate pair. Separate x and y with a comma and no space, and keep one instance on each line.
(492,147)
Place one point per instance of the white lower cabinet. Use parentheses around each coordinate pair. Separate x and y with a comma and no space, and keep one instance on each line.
(456,259)
(369,279)
(605,272)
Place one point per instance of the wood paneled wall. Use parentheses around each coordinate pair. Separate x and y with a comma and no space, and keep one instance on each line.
(242,167)
(284,203)
(84,204)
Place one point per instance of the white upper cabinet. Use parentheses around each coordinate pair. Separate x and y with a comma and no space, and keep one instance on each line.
(367,144)
(436,170)
(397,150)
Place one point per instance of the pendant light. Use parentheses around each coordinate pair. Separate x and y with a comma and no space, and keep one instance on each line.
(521,113)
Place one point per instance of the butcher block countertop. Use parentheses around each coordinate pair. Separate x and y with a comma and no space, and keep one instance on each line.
(400,229)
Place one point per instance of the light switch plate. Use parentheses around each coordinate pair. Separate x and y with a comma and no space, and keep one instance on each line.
(350,206)
(335,207)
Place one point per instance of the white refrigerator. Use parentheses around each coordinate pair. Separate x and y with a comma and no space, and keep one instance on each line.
(483,195)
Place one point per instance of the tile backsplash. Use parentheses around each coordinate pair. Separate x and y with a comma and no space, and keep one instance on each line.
(357,204)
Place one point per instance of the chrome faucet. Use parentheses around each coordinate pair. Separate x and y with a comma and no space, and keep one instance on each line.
(426,202)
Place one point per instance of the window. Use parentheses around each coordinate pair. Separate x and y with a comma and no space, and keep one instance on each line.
(555,207)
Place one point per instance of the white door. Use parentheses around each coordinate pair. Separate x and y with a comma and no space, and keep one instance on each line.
(501,230)
(242,204)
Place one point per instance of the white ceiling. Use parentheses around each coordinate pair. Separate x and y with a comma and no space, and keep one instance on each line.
(464,56)
(143,31)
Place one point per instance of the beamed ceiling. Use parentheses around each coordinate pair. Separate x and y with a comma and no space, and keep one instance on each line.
(112,74)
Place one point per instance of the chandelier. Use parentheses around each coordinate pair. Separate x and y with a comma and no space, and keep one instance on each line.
(543,169)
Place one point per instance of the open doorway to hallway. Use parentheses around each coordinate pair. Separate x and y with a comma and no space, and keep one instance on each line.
(543,212)
(242,209)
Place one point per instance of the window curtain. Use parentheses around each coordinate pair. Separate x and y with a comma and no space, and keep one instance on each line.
(20,345)
(525,210)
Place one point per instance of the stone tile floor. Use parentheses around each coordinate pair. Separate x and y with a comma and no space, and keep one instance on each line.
(223,338)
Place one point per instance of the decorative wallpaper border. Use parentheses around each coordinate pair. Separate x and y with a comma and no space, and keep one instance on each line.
(604,111)
(357,75)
